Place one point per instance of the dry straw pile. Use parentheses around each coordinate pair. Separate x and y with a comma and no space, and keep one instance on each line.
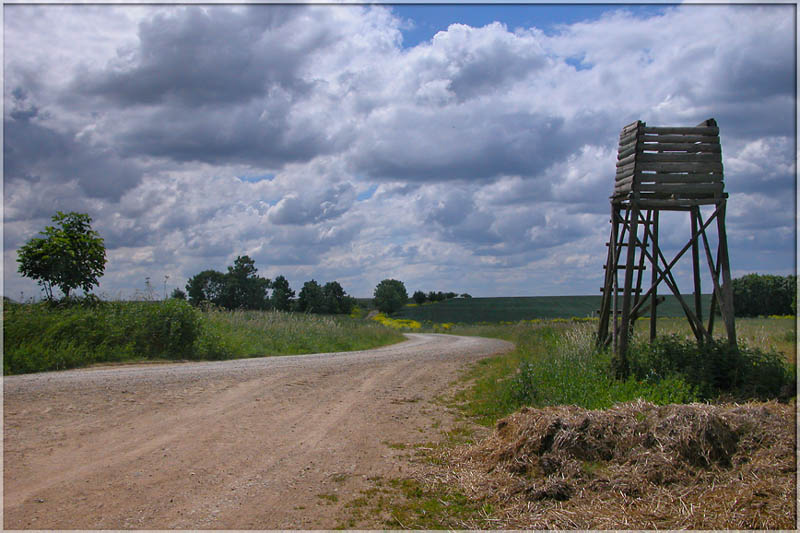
(635,466)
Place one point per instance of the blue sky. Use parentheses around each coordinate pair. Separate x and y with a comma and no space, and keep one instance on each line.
(341,142)
(428,19)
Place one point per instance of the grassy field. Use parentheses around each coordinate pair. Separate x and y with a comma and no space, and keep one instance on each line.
(40,337)
(514,309)
(556,363)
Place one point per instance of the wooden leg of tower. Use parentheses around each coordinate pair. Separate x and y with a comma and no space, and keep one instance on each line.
(605,303)
(654,277)
(726,303)
(621,364)
(642,256)
(698,303)
(713,310)
(615,217)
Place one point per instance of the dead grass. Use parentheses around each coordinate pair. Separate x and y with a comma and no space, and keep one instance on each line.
(633,466)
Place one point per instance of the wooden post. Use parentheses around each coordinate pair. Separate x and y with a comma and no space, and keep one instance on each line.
(698,302)
(726,303)
(614,277)
(654,278)
(621,363)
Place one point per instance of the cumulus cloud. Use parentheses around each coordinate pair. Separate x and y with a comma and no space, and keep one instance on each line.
(483,157)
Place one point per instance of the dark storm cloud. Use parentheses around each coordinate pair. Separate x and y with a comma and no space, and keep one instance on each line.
(462,144)
(33,152)
(253,134)
(202,56)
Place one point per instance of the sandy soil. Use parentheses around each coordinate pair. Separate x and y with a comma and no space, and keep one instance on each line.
(271,443)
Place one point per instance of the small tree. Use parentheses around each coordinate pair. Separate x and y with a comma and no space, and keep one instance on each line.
(311,298)
(178,294)
(336,300)
(207,286)
(69,255)
(281,294)
(419,297)
(390,295)
(244,289)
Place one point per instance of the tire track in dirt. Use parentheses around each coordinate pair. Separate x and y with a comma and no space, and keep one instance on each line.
(267,443)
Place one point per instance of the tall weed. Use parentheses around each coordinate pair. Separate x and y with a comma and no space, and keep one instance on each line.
(556,363)
(43,336)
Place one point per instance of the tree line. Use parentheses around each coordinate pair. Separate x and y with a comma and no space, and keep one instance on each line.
(420,297)
(764,295)
(242,288)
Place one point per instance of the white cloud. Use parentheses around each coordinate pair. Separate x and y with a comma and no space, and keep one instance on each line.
(489,153)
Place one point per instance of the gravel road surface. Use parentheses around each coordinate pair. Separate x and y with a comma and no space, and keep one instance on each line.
(267,443)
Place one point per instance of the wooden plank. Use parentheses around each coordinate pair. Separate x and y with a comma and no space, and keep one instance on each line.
(624,174)
(629,137)
(622,161)
(622,267)
(681,131)
(623,185)
(682,147)
(710,139)
(669,157)
(623,188)
(627,150)
(679,167)
(679,178)
(626,169)
(681,188)
(630,127)
(678,204)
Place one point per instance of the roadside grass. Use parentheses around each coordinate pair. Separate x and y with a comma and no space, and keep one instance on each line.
(41,336)
(555,363)
(259,333)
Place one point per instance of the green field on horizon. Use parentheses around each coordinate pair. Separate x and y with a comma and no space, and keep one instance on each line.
(516,308)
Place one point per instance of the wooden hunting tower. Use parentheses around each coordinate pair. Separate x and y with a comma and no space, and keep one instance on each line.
(664,169)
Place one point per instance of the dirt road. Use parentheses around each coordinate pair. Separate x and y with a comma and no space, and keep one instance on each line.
(268,443)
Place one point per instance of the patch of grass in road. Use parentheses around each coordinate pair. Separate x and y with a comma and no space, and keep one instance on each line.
(329,498)
(406,503)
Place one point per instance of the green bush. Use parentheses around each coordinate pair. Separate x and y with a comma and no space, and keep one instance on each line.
(55,336)
(713,369)
(168,329)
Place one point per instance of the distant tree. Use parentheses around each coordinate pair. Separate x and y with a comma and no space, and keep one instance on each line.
(449,295)
(435,296)
(465,295)
(311,298)
(282,295)
(390,295)
(336,300)
(244,289)
(419,297)
(69,255)
(763,294)
(207,286)
(178,294)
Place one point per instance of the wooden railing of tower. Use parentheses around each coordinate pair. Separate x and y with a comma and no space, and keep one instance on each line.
(664,169)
